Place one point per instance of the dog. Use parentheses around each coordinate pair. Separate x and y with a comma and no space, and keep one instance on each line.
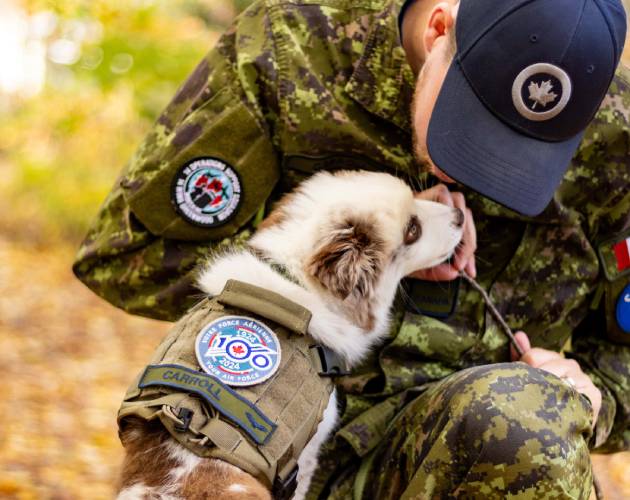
(345,240)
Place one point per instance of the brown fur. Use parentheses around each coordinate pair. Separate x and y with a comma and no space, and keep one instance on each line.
(348,265)
(279,213)
(212,479)
(149,461)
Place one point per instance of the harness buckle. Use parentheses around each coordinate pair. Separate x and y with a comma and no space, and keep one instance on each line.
(185,415)
(283,490)
(332,365)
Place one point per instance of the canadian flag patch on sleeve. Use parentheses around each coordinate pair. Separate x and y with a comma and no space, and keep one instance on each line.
(622,254)
(614,255)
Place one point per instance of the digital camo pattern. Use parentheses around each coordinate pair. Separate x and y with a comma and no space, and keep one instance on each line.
(614,255)
(485,432)
(325,85)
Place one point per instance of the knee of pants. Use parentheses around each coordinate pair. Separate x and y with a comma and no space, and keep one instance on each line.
(512,409)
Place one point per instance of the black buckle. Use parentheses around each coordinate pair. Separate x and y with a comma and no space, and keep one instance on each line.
(185,415)
(332,364)
(283,490)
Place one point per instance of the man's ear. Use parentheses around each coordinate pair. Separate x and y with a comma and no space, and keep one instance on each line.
(348,262)
(440,21)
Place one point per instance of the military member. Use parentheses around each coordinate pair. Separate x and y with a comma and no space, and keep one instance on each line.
(499,93)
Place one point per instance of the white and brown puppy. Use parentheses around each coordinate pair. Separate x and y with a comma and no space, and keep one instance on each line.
(348,239)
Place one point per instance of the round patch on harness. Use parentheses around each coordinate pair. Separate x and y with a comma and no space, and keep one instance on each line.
(206,192)
(623,310)
(238,350)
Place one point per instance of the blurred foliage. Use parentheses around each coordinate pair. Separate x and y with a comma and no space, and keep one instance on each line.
(60,151)
(111,66)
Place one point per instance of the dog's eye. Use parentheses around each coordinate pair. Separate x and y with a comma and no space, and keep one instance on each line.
(412,231)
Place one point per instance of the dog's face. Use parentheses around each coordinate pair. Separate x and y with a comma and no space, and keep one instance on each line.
(375,225)
(353,231)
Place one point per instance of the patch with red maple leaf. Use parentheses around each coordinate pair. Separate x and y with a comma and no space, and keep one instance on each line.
(206,192)
(238,350)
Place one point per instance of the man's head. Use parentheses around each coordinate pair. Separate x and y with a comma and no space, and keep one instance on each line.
(428,37)
(505,88)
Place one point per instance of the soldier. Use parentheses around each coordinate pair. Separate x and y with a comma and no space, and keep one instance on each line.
(500,93)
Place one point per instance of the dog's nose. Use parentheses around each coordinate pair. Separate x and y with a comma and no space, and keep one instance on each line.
(458,218)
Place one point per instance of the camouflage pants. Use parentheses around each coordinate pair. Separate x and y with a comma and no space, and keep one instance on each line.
(494,431)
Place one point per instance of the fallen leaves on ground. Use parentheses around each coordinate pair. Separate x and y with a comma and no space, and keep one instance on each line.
(67,358)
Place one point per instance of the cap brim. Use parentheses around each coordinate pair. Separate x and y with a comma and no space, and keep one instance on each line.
(474,147)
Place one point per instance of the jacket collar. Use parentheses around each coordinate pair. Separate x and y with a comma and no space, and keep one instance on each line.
(382,81)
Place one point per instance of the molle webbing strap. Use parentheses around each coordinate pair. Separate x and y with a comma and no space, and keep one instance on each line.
(223,399)
(261,428)
(266,304)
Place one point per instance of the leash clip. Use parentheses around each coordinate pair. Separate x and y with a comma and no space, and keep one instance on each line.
(332,365)
(185,415)
(283,488)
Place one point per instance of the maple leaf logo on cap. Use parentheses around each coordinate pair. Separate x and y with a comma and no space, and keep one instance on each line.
(541,94)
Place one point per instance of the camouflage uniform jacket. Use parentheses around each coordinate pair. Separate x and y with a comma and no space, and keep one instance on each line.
(298,86)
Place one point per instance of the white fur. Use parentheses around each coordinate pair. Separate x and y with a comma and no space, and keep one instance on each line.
(141,491)
(311,215)
(323,201)
(237,488)
(307,463)
(138,491)
(327,325)
(186,460)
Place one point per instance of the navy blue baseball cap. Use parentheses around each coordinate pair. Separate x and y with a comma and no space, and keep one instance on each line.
(526,80)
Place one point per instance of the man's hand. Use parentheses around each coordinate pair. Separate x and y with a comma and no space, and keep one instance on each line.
(567,369)
(465,254)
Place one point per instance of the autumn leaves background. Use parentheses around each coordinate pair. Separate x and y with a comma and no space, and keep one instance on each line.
(81,81)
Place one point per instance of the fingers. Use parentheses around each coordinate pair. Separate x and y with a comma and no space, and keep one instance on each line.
(443,272)
(562,368)
(523,341)
(443,195)
(571,372)
(537,357)
(553,362)
(568,370)
(465,254)
(595,397)
(438,193)
(464,258)
(471,268)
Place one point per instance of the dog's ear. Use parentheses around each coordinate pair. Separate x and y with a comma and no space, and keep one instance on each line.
(349,261)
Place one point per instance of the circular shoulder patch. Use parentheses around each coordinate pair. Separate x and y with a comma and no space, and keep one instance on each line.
(238,350)
(623,310)
(541,91)
(206,192)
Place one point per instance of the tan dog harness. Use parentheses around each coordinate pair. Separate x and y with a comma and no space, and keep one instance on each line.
(260,426)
